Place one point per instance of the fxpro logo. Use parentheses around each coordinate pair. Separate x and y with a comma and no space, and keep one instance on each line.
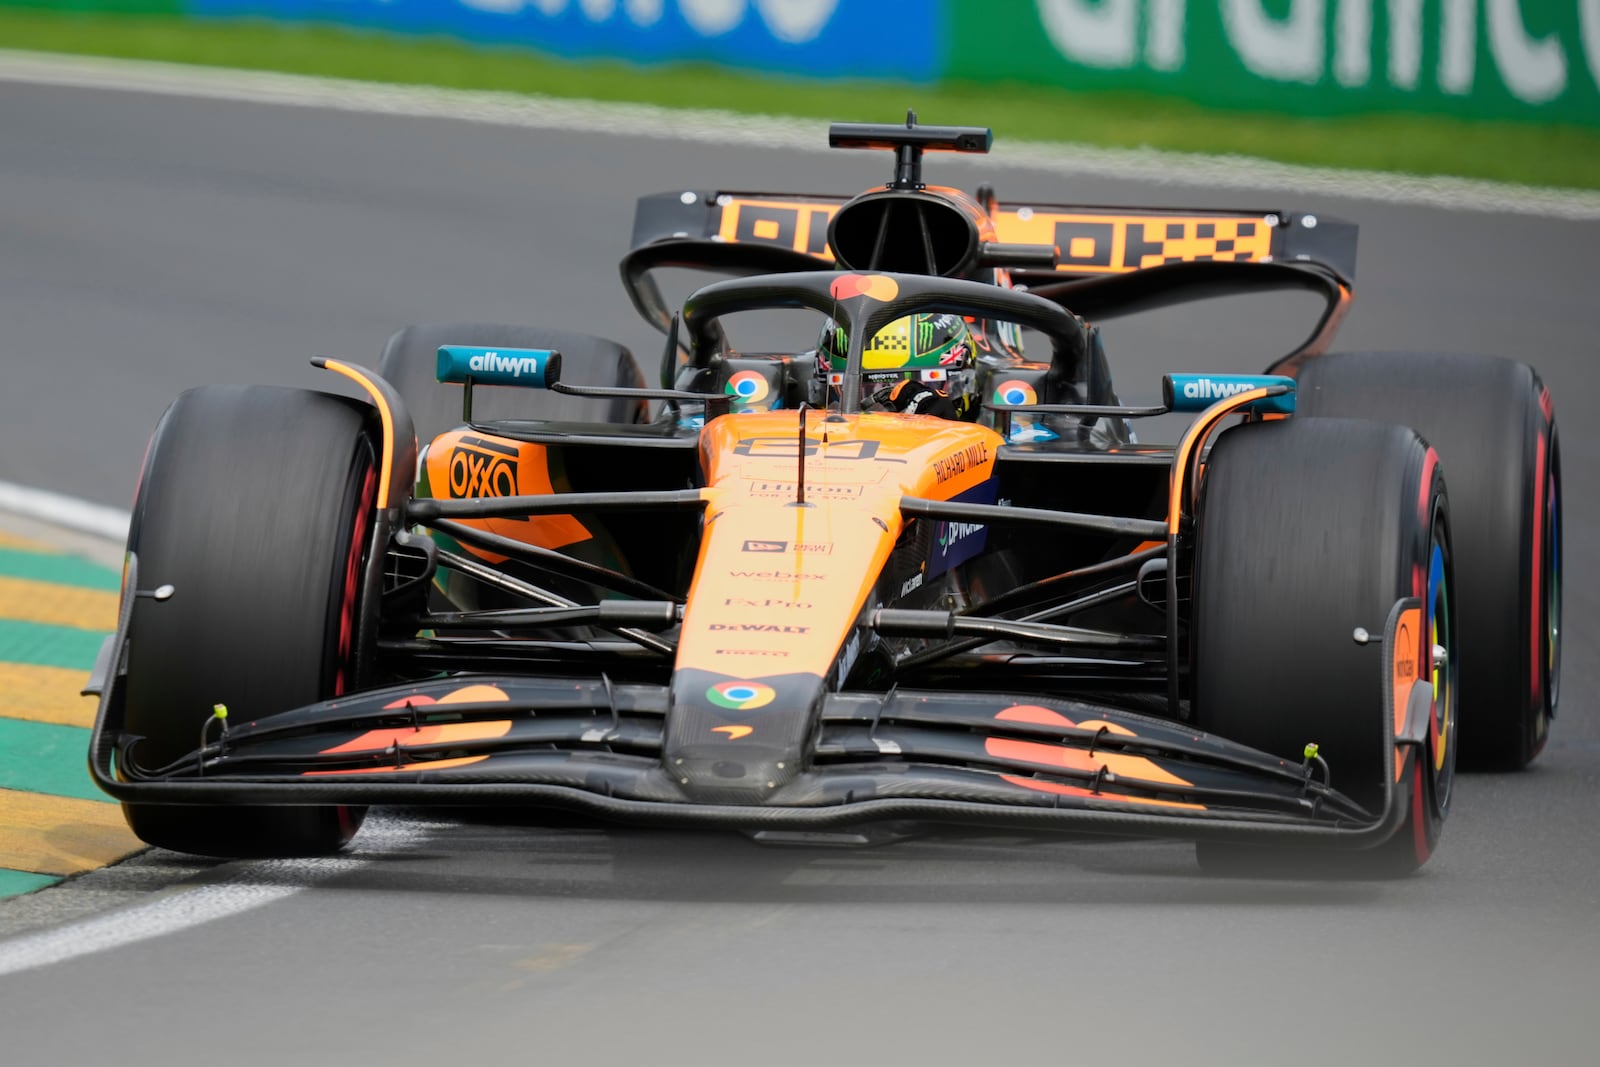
(1206,389)
(495,363)
(951,532)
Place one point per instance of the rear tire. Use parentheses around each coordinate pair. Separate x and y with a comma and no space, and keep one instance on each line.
(410,362)
(1308,529)
(255,505)
(1494,428)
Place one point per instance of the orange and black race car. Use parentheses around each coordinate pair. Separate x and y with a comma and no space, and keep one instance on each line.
(898,574)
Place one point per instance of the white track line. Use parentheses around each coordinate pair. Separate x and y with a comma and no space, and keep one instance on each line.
(723,127)
(68,512)
(256,884)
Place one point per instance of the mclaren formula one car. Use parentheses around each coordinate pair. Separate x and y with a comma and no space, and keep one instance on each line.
(902,575)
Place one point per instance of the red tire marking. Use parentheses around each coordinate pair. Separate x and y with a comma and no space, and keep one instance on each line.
(1535,672)
(1419,817)
(352,578)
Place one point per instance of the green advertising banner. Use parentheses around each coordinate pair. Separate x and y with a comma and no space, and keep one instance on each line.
(1532,61)
(1528,60)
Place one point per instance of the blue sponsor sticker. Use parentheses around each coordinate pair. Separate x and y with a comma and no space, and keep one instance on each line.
(956,542)
(527,367)
(1196,392)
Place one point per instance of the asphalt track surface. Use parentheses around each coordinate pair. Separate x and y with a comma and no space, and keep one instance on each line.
(147,245)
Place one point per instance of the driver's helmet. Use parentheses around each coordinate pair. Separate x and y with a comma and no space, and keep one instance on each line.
(935,351)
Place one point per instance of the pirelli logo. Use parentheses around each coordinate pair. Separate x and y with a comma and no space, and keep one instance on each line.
(1116,244)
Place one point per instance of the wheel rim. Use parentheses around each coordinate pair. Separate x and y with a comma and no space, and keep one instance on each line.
(1441,635)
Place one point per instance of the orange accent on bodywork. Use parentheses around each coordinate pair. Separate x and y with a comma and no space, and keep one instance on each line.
(416,701)
(1031,713)
(385,416)
(734,732)
(1112,243)
(1045,754)
(420,765)
(475,694)
(1405,669)
(1065,790)
(777,586)
(1193,439)
(437,734)
(810,217)
(522,465)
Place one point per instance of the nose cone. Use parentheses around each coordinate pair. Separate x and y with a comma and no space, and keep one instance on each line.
(738,740)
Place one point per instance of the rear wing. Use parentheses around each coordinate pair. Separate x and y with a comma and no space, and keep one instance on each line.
(1111,261)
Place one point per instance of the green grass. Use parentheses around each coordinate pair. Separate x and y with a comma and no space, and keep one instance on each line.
(1540,155)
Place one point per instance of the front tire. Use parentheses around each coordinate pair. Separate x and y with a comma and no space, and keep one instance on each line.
(1309,529)
(255,505)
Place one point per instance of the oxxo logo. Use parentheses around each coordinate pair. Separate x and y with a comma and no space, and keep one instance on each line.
(482,468)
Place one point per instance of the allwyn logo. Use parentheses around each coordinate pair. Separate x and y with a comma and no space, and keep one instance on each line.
(1206,389)
(495,363)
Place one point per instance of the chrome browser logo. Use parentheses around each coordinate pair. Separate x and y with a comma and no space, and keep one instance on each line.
(740,696)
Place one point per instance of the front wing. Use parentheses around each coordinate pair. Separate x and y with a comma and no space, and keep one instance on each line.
(588,745)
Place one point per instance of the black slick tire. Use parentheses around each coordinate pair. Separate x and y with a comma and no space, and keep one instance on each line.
(1493,425)
(255,506)
(410,362)
(1307,530)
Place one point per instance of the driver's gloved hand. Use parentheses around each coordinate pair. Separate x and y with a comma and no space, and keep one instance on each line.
(913,398)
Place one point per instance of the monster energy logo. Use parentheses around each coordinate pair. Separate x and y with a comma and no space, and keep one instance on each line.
(924,334)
